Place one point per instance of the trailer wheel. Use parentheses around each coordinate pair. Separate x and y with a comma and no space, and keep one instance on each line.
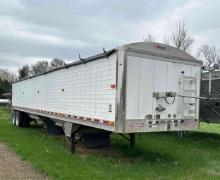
(25,120)
(22,119)
(14,118)
(17,119)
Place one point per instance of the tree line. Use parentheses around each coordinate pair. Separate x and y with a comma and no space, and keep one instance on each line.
(181,39)
(7,77)
(39,67)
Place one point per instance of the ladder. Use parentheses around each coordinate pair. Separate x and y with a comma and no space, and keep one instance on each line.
(188,90)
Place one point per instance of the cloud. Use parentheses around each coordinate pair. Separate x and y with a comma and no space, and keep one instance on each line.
(166,23)
(35,30)
(16,29)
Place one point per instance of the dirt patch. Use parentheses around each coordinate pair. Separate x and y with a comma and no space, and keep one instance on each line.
(12,167)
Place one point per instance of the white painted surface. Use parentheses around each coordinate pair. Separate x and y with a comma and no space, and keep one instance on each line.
(132,99)
(85,90)
(145,76)
(82,90)
(146,86)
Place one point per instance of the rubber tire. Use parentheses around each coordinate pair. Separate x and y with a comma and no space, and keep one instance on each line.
(25,120)
(17,119)
(14,118)
(22,119)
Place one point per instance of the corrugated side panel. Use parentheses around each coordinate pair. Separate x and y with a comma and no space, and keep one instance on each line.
(82,90)
(145,76)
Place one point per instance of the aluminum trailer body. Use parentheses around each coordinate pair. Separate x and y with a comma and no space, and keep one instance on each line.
(139,87)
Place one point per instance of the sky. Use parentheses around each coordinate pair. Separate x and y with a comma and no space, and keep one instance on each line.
(32,30)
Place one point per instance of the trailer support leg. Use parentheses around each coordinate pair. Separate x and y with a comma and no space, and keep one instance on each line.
(181,134)
(72,143)
(132,140)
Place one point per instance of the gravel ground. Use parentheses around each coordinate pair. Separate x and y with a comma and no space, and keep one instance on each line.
(12,167)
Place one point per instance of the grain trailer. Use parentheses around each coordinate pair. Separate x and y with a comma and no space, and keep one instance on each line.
(138,87)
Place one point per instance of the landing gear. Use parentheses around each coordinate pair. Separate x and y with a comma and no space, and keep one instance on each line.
(131,139)
(73,143)
(181,134)
(91,137)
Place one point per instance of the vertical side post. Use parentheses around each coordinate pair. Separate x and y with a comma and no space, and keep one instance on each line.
(210,82)
(72,143)
(180,134)
(132,140)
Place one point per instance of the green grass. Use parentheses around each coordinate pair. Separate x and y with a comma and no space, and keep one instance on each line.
(156,156)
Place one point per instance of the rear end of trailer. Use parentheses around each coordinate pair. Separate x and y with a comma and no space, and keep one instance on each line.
(161,89)
(139,87)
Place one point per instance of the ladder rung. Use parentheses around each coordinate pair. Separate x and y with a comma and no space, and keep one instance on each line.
(189,90)
(191,104)
(186,98)
(192,111)
(189,78)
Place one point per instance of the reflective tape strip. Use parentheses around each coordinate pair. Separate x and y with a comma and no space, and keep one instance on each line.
(95,120)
